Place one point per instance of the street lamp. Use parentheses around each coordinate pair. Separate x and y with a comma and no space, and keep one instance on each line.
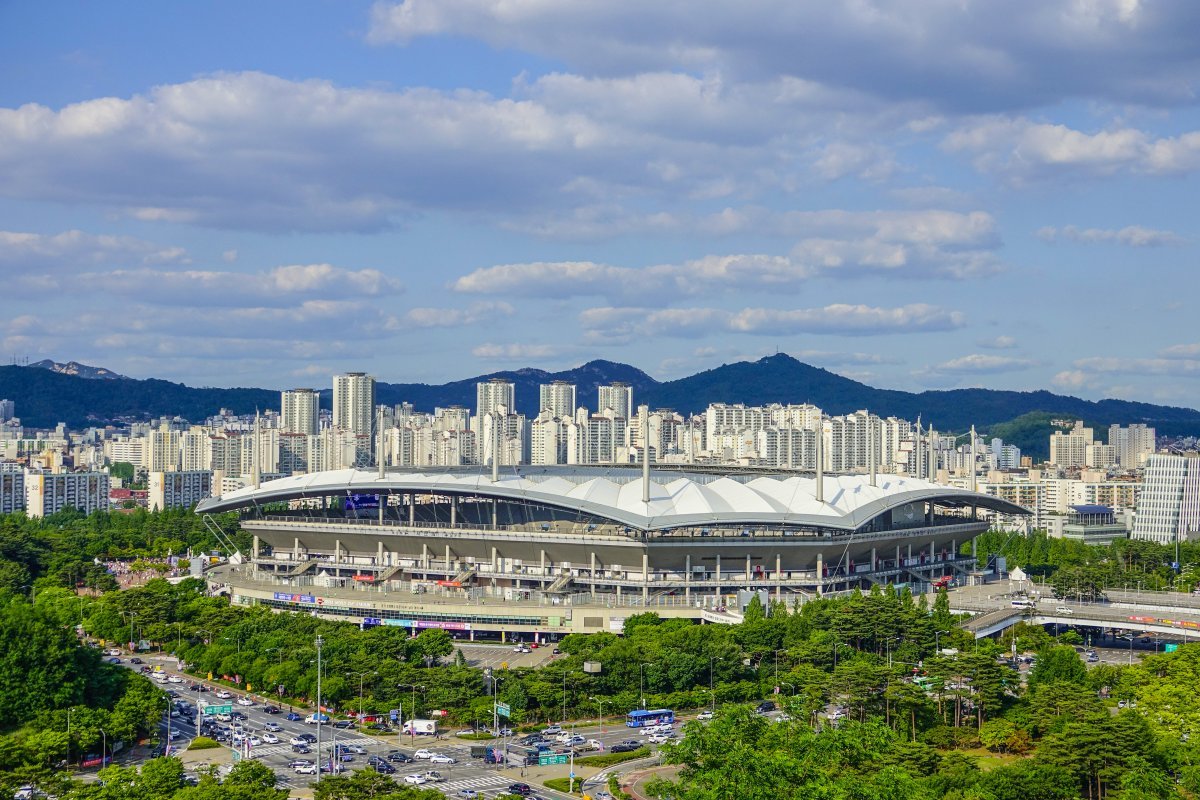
(131,614)
(103,747)
(238,637)
(412,728)
(777,652)
(642,681)
(600,702)
(888,644)
(361,676)
(495,711)
(791,686)
(320,644)
(937,647)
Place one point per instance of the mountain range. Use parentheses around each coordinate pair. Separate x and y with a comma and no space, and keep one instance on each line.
(75,396)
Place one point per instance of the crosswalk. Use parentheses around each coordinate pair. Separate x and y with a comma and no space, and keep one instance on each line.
(486,785)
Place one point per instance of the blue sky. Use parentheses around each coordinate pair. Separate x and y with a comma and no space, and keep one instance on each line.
(914,194)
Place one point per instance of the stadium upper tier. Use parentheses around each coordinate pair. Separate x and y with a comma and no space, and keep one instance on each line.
(678,498)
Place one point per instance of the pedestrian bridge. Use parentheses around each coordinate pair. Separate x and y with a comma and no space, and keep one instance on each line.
(1183,624)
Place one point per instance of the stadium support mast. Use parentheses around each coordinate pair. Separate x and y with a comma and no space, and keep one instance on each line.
(820,493)
(644,414)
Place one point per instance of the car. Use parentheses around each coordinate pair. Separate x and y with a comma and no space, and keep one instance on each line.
(255,741)
(245,701)
(136,660)
(193,687)
(273,727)
(343,724)
(305,769)
(468,794)
(433,775)
(384,768)
(270,709)
(504,732)
(416,779)
(223,718)
(659,738)
(441,758)
(238,715)
(523,789)
(298,740)
(224,695)
(625,747)
(572,741)
(114,660)
(399,758)
(423,754)
(378,726)
(1064,610)
(552,730)
(557,651)
(298,762)
(308,737)
(336,769)
(113,651)
(174,679)
(765,707)
(357,749)
(466,732)
(1093,658)
(293,717)
(301,748)
(705,715)
(270,738)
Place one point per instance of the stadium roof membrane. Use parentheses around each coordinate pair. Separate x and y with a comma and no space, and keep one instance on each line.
(678,498)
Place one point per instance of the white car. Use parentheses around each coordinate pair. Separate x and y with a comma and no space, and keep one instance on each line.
(305,769)
(423,754)
(415,778)
(224,695)
(270,738)
(439,758)
(254,741)
(296,740)
(1063,610)
(174,679)
(357,749)
(552,730)
(705,715)
(659,738)
(245,701)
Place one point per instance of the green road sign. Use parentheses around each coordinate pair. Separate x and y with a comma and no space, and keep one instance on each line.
(1170,648)
(503,710)
(210,710)
(553,758)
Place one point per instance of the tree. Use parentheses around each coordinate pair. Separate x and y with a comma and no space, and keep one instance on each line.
(369,785)
(434,643)
(754,610)
(1057,664)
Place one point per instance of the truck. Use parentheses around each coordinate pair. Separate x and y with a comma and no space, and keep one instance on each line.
(316,719)
(420,727)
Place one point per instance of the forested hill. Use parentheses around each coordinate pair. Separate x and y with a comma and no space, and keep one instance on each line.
(45,398)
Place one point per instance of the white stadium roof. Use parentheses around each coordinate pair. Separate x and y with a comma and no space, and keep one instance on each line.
(678,498)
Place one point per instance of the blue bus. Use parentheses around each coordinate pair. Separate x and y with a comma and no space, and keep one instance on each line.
(641,719)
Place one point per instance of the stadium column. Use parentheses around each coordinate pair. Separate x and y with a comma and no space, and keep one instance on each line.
(645,578)
(412,508)
(592,574)
(296,548)
(932,551)
(717,591)
(447,561)
(254,555)
(874,557)
(778,577)
(453,511)
(337,550)
(747,568)
(897,556)
(687,578)
(820,572)
(494,560)
(379,554)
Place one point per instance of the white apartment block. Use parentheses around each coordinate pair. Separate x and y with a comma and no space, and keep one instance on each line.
(354,402)
(162,451)
(195,449)
(558,398)
(454,418)
(178,489)
(548,439)
(127,450)
(12,487)
(1169,506)
(1069,449)
(46,493)
(617,397)
(790,447)
(1100,456)
(1133,444)
(492,395)
(300,411)
(8,410)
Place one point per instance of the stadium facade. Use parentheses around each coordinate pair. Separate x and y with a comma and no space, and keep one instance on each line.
(537,552)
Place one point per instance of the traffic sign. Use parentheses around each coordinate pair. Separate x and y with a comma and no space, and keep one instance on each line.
(210,710)
(552,758)
(503,709)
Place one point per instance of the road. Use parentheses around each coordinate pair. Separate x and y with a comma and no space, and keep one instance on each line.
(467,773)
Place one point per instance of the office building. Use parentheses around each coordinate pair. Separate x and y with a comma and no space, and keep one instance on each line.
(300,411)
(1169,506)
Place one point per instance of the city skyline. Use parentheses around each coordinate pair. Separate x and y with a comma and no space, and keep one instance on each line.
(912,195)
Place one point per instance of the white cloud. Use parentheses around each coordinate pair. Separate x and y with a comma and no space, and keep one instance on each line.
(980,364)
(609,324)
(1024,150)
(1182,351)
(453,317)
(988,56)
(517,352)
(71,250)
(1177,367)
(998,343)
(1130,235)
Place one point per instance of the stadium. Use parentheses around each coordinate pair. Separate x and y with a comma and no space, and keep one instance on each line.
(536,552)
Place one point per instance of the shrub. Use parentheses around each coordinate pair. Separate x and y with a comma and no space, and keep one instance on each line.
(203,743)
(608,759)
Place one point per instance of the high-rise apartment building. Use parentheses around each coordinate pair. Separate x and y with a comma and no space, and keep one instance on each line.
(354,402)
(1133,444)
(46,493)
(12,487)
(8,410)
(1168,507)
(163,449)
(618,396)
(299,411)
(491,395)
(178,489)
(1069,449)
(558,398)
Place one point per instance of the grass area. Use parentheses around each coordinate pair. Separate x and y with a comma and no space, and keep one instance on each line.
(203,743)
(475,737)
(988,760)
(560,785)
(608,759)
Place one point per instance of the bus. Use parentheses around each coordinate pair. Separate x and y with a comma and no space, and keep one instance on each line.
(1023,604)
(642,719)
